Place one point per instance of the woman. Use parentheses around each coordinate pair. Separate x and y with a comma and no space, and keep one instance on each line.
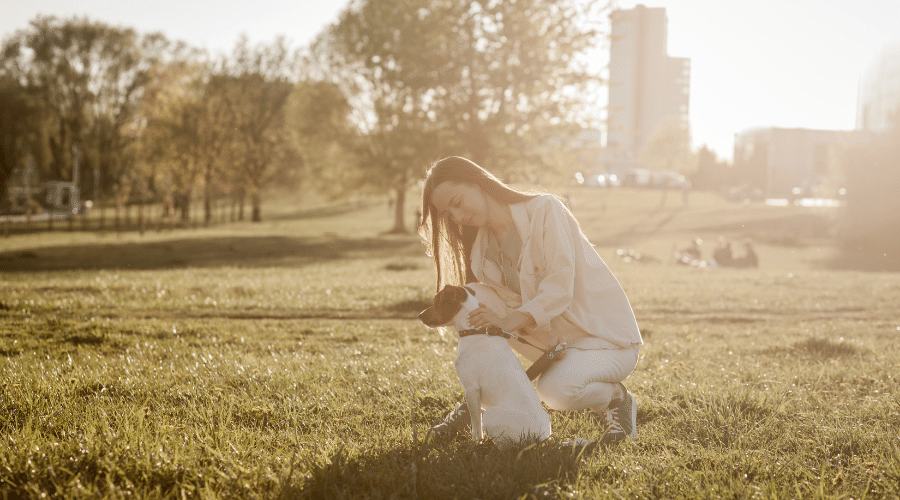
(530,248)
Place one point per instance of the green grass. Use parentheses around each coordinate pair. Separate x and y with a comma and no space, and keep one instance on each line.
(284,360)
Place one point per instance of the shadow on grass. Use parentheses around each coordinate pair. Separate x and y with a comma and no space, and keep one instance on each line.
(787,230)
(864,260)
(336,210)
(825,348)
(233,251)
(818,348)
(457,469)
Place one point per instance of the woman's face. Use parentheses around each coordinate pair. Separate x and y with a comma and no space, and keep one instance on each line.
(465,203)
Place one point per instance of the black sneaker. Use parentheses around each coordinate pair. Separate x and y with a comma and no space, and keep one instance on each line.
(619,419)
(457,421)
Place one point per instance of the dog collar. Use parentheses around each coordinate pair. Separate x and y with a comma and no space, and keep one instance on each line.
(491,331)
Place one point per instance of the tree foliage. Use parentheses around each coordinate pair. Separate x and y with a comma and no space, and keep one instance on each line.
(254,85)
(20,116)
(318,123)
(669,148)
(482,79)
(713,173)
(182,130)
(397,85)
(88,77)
(375,55)
(145,113)
(515,76)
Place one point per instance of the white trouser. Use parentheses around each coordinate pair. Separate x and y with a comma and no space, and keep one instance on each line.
(587,376)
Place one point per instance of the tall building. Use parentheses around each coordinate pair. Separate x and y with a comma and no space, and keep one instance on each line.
(878,103)
(647,87)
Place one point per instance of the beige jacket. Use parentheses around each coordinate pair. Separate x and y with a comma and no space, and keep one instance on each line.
(566,287)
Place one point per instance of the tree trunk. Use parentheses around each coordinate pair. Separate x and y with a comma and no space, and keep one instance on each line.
(399,204)
(185,208)
(141,216)
(256,201)
(118,219)
(207,198)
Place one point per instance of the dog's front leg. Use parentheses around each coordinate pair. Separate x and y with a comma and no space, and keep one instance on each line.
(473,400)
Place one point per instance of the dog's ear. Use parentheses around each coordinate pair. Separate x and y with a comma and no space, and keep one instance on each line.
(450,295)
(430,318)
(446,304)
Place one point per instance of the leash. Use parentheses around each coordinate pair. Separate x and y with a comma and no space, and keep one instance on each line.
(555,353)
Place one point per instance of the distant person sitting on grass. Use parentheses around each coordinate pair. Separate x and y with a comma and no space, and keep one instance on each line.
(749,259)
(529,247)
(722,255)
(690,254)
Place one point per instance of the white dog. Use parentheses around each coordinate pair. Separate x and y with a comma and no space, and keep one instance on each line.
(490,373)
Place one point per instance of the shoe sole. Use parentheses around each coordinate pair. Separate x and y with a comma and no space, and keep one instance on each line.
(633,433)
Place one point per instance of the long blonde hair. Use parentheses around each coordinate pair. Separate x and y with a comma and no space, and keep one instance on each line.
(449,243)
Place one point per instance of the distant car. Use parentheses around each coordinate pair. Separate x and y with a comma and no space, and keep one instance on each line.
(670,180)
(598,180)
(638,177)
(744,193)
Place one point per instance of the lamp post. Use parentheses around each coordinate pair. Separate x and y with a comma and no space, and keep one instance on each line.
(97,192)
(29,168)
(75,195)
(74,190)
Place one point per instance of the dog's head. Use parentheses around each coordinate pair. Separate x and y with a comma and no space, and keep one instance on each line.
(447,304)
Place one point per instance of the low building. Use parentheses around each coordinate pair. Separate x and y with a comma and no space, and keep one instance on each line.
(785,162)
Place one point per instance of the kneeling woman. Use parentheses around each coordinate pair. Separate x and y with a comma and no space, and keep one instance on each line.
(530,248)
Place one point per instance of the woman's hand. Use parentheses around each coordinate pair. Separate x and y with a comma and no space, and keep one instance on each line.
(515,320)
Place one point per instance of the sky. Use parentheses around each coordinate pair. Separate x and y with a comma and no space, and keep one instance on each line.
(754,63)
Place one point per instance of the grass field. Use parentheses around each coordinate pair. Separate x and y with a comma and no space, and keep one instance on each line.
(285,360)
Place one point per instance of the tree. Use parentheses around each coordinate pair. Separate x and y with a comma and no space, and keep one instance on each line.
(669,151)
(516,75)
(669,148)
(171,139)
(481,79)
(254,85)
(186,131)
(89,77)
(20,130)
(712,172)
(318,119)
(382,56)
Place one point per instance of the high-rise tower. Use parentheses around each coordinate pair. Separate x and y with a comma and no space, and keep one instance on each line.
(647,87)
(879,93)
